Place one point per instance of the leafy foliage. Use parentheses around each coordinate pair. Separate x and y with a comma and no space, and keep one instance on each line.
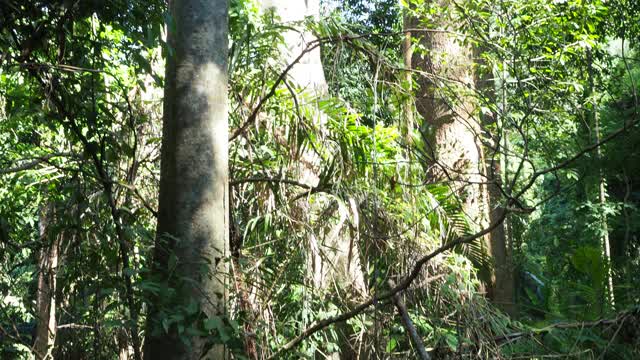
(80,89)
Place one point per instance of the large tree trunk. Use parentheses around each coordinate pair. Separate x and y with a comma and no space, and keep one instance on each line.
(454,137)
(46,296)
(333,253)
(442,100)
(192,216)
(308,73)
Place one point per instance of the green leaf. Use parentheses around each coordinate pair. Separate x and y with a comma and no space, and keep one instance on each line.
(391,344)
(212,323)
(452,341)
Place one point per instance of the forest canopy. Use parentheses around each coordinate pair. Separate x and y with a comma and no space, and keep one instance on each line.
(319,179)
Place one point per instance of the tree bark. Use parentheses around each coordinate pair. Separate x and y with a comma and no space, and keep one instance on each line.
(445,100)
(192,233)
(407,55)
(442,100)
(333,255)
(501,279)
(46,296)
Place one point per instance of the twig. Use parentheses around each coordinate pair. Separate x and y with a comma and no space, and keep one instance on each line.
(75,326)
(144,202)
(62,67)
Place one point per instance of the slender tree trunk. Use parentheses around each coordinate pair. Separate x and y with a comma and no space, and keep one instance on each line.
(407,55)
(46,296)
(507,225)
(123,344)
(602,199)
(192,233)
(602,191)
(501,280)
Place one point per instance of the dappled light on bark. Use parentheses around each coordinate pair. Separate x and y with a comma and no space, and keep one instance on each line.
(279,179)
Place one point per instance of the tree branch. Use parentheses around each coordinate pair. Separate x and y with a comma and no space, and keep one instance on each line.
(32,164)
(254,114)
(635,313)
(402,285)
(271,180)
(421,352)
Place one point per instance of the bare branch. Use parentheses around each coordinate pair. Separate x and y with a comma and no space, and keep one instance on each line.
(32,164)
(271,180)
(408,325)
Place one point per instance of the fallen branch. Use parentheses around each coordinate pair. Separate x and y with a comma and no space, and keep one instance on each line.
(622,317)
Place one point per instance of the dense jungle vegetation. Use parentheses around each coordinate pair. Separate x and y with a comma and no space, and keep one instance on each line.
(289,179)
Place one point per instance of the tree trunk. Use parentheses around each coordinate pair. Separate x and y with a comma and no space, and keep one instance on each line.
(308,73)
(446,102)
(46,296)
(192,233)
(602,199)
(407,56)
(442,100)
(501,279)
(602,191)
(122,340)
(333,254)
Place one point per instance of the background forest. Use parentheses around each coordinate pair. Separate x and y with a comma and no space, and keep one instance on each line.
(381,179)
